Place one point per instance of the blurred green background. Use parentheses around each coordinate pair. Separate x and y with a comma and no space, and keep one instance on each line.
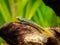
(34,10)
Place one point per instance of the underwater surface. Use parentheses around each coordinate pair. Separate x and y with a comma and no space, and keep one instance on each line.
(37,20)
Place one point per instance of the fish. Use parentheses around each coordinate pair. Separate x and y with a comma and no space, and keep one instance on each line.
(24,32)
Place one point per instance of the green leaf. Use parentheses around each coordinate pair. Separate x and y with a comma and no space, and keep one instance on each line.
(4,11)
(32,10)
